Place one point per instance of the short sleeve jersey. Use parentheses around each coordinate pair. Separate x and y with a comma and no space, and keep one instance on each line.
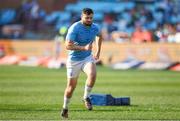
(81,35)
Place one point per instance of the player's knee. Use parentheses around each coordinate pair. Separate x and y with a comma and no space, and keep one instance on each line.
(92,76)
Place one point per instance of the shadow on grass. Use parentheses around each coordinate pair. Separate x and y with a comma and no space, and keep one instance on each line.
(107,108)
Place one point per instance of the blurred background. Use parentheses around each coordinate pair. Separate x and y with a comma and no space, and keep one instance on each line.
(144,34)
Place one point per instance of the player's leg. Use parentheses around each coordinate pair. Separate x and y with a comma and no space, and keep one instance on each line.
(71,85)
(73,70)
(90,71)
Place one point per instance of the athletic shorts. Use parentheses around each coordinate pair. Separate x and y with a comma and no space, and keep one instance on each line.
(75,67)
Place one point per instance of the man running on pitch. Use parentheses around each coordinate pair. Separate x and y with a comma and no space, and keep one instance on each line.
(79,41)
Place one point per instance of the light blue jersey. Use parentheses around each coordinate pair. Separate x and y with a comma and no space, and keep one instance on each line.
(81,35)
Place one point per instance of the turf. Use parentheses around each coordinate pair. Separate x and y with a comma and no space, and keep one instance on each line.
(29,93)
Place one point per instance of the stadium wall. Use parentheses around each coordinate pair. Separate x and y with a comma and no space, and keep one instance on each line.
(111,52)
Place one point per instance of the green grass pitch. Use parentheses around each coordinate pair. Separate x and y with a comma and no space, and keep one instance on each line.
(29,93)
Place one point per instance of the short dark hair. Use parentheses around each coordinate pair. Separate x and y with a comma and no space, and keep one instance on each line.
(87,11)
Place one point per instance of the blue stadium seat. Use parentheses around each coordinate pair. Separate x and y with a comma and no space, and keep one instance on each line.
(65,16)
(52,17)
(7,16)
(98,16)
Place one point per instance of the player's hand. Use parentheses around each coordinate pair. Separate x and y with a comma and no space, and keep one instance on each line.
(88,47)
(96,56)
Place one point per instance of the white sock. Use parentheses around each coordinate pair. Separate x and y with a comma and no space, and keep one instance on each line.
(87,91)
(66,102)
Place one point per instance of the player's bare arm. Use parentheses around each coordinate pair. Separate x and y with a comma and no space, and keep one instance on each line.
(98,46)
(71,46)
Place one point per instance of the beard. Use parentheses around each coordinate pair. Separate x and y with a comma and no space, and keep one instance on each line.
(87,24)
